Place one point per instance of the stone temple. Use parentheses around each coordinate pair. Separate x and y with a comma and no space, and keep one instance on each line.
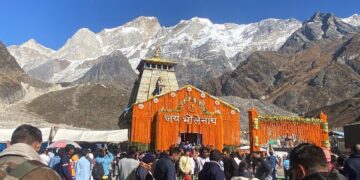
(160,114)
(157,76)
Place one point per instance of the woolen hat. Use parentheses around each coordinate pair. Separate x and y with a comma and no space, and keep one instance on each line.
(148,158)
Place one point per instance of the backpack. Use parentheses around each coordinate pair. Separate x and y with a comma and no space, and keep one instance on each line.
(97,171)
(20,170)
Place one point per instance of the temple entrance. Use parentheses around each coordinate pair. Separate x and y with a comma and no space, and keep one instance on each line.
(191,138)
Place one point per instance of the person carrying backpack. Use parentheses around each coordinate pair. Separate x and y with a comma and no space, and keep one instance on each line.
(97,171)
(21,160)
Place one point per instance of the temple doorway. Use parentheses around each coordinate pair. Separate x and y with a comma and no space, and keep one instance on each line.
(191,138)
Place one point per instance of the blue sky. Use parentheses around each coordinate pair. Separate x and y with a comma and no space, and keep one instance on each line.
(52,22)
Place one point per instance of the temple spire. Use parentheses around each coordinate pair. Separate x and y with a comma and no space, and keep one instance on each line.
(156,77)
(157,53)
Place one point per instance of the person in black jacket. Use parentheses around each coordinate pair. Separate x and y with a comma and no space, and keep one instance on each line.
(65,164)
(308,162)
(261,167)
(244,170)
(212,169)
(231,168)
(165,167)
(352,165)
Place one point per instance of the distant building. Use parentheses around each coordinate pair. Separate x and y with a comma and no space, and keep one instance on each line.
(161,115)
(352,135)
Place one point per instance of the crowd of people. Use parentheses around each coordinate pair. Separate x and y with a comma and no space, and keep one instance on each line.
(186,162)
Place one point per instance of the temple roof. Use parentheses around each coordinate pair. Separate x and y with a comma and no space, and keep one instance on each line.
(191,86)
(155,60)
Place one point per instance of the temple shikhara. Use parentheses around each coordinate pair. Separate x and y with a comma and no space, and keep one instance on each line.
(161,114)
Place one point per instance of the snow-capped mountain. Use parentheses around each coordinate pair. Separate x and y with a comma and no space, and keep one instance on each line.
(202,48)
(30,54)
(84,44)
(193,43)
(139,31)
(353,20)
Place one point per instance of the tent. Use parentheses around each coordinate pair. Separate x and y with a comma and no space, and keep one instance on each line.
(5,134)
(115,136)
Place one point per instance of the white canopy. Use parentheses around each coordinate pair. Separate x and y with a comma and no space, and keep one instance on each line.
(92,136)
(5,134)
(75,135)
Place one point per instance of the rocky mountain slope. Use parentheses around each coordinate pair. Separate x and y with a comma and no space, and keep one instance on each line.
(93,106)
(348,110)
(114,68)
(14,82)
(319,26)
(341,113)
(48,70)
(244,105)
(322,74)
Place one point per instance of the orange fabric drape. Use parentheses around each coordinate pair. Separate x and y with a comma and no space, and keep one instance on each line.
(270,129)
(167,132)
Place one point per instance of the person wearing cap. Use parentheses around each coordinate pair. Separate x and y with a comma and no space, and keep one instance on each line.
(143,172)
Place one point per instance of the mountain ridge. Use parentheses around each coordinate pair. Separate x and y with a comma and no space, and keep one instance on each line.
(305,67)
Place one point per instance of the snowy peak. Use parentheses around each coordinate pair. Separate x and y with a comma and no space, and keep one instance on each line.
(84,44)
(142,22)
(83,32)
(353,20)
(32,44)
(232,38)
(147,26)
(30,54)
(192,26)
(134,33)
(199,20)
